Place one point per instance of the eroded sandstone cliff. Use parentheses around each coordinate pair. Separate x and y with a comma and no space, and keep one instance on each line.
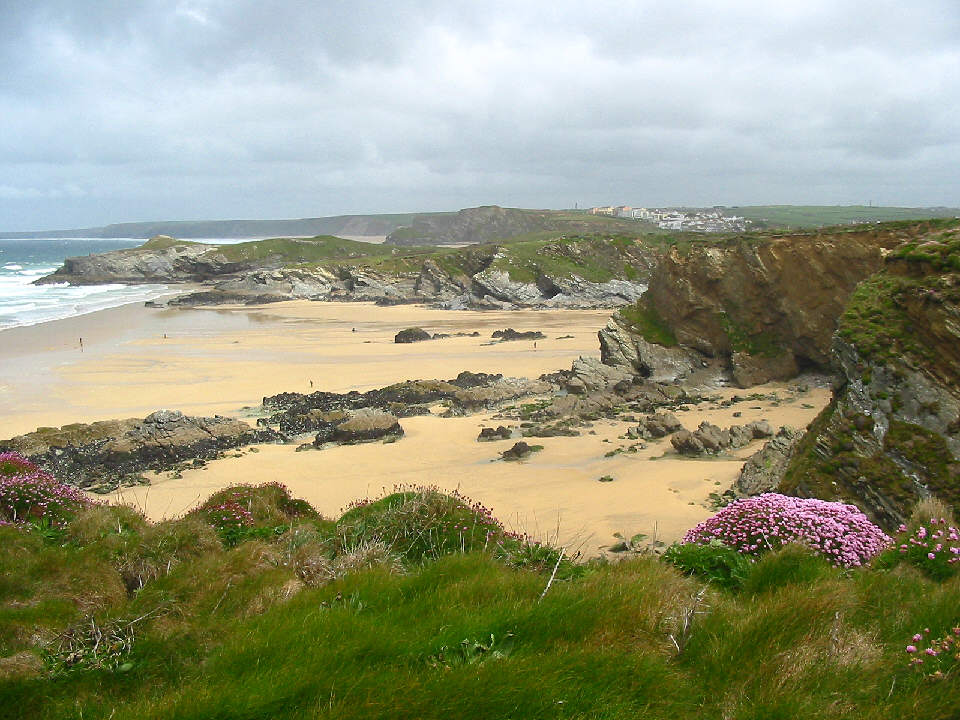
(767,306)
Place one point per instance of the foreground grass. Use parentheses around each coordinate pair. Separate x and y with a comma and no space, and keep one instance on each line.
(322,619)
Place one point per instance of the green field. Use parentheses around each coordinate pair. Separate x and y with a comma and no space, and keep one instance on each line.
(812,216)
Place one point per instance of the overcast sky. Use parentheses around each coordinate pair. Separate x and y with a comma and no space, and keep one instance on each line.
(118,110)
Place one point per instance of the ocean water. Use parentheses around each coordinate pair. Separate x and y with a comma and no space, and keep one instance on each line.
(23,261)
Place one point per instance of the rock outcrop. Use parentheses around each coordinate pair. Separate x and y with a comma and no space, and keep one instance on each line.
(511,334)
(103,455)
(321,412)
(590,272)
(708,439)
(764,469)
(520,451)
(366,424)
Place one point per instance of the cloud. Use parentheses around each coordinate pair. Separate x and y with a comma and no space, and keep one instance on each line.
(217,108)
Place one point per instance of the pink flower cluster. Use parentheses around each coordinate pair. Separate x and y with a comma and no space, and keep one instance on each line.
(940,543)
(228,515)
(935,657)
(27,494)
(839,532)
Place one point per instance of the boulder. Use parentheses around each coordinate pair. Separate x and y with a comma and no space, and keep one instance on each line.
(589,375)
(687,443)
(489,434)
(412,335)
(367,424)
(519,451)
(659,425)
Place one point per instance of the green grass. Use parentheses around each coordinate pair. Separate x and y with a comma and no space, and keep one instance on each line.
(297,250)
(311,623)
(763,344)
(813,216)
(466,633)
(162,243)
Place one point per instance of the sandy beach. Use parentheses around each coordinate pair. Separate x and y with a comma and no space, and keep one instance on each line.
(210,361)
(224,360)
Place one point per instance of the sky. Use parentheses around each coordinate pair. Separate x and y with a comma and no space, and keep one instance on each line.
(126,110)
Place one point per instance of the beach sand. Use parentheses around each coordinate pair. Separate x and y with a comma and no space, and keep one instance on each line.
(225,359)
(220,360)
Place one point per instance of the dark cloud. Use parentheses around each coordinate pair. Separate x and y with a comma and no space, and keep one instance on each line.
(234,108)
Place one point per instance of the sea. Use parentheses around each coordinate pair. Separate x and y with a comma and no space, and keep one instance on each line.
(22,261)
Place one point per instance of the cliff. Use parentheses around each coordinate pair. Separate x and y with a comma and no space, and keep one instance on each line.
(892,433)
(765,306)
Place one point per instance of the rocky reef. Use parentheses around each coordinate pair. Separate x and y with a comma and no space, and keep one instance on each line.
(103,455)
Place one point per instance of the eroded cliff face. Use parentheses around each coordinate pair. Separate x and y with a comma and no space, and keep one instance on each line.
(892,434)
(767,307)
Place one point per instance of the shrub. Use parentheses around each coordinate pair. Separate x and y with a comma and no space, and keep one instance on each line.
(12,463)
(713,562)
(163,546)
(935,657)
(244,512)
(756,525)
(933,547)
(106,524)
(419,523)
(31,496)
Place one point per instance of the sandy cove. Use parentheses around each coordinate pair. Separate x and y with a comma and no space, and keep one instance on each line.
(225,359)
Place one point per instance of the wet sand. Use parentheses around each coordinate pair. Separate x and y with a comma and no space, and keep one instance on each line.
(223,360)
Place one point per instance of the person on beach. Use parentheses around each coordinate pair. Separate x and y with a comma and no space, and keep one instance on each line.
(81,344)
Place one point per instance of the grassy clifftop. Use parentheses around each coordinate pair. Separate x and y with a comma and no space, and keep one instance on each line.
(421,605)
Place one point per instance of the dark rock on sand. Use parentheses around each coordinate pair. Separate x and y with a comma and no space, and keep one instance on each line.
(511,334)
(520,451)
(489,434)
(412,335)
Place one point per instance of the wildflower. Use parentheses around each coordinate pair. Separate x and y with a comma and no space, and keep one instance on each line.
(911,648)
